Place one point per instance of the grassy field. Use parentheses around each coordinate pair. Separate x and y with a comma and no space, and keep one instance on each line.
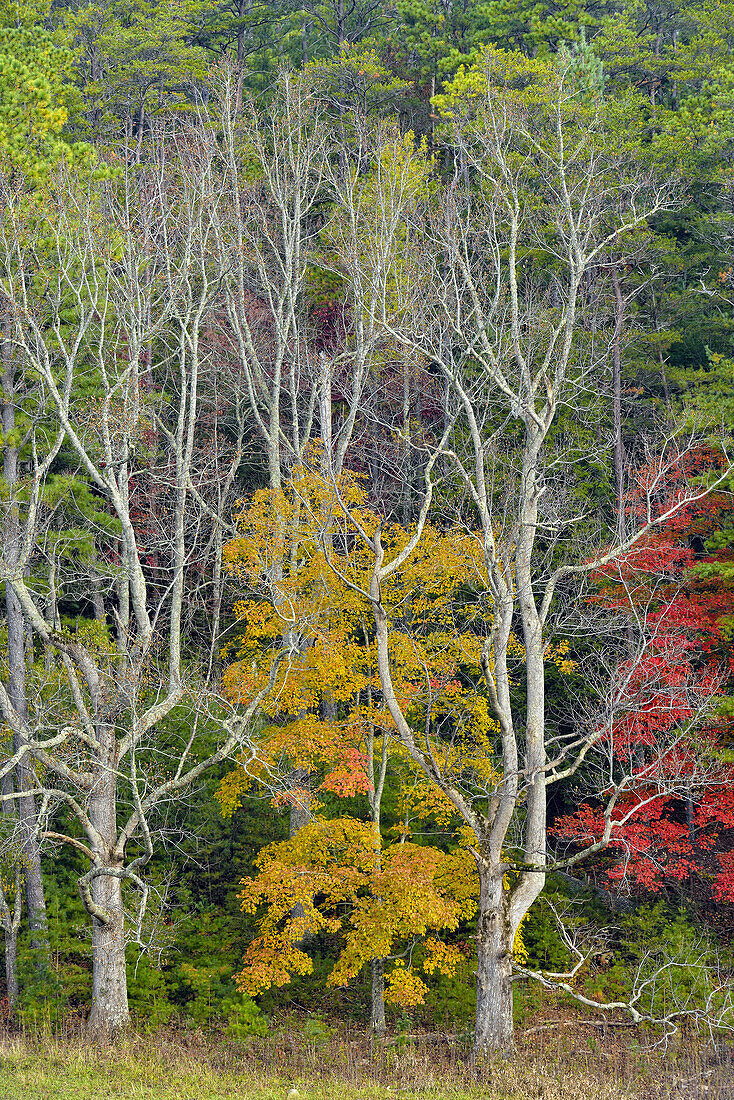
(172,1069)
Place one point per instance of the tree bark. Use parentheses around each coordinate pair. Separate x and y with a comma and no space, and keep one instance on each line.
(377,785)
(377,1002)
(300,783)
(35,895)
(619,455)
(11,924)
(11,968)
(97,598)
(494,1031)
(110,1013)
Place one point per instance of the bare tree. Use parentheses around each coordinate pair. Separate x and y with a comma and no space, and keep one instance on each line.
(103,286)
(19,412)
(291,207)
(669,986)
(492,298)
(10,921)
(273,180)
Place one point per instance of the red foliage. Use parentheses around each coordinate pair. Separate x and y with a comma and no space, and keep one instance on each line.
(686,837)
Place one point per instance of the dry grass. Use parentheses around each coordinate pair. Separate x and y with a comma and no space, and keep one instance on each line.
(558,1064)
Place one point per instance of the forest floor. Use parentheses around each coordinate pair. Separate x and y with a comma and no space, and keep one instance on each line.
(175,1067)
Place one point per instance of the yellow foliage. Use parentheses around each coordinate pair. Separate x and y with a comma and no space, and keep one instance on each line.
(521,81)
(519,950)
(558,653)
(423,800)
(441,957)
(231,789)
(342,881)
(293,589)
(302,575)
(279,558)
(404,987)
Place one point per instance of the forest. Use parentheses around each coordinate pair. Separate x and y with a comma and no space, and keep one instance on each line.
(367,556)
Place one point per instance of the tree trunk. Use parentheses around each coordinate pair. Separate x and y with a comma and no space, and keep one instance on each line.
(377,1003)
(407,490)
(34,889)
(300,783)
(619,455)
(494,1028)
(31,854)
(11,924)
(377,785)
(11,933)
(300,815)
(97,598)
(110,1013)
(11,968)
(35,895)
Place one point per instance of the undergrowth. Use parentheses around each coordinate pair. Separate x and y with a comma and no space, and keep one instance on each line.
(325,1063)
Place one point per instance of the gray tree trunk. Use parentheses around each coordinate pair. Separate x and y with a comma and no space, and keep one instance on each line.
(300,815)
(299,781)
(26,805)
(619,455)
(11,924)
(11,968)
(110,1013)
(494,1030)
(377,784)
(377,1001)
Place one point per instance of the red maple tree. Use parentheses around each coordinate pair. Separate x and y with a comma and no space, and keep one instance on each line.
(675,822)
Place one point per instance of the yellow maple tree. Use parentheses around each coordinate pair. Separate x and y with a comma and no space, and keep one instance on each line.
(292,591)
(303,577)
